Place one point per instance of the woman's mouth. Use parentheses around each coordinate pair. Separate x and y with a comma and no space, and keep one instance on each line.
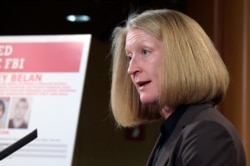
(142,84)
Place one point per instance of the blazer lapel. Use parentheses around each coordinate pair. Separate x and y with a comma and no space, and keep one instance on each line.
(186,119)
(151,156)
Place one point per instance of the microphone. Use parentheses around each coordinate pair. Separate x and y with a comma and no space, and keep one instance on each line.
(18,144)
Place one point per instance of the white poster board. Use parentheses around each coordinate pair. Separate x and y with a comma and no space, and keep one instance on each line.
(41,83)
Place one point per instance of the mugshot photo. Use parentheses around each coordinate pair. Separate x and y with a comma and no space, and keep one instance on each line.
(4,106)
(19,112)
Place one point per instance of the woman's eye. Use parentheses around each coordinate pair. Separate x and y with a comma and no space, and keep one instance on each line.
(145,52)
(129,58)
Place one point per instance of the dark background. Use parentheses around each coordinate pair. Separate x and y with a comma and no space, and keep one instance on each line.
(48,17)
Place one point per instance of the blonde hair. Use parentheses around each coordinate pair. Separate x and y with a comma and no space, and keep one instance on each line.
(193,71)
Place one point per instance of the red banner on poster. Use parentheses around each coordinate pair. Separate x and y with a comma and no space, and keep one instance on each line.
(40,57)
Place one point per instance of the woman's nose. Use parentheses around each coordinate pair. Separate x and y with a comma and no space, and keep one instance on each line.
(133,66)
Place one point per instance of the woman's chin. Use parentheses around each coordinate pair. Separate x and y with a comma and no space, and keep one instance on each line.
(148,101)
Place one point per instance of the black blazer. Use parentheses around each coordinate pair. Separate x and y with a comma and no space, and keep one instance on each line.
(202,137)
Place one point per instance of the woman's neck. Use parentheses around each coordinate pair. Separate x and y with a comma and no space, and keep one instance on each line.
(167,111)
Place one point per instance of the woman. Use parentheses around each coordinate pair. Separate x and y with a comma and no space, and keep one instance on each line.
(164,65)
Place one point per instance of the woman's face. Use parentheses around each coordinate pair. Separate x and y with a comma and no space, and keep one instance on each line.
(145,55)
